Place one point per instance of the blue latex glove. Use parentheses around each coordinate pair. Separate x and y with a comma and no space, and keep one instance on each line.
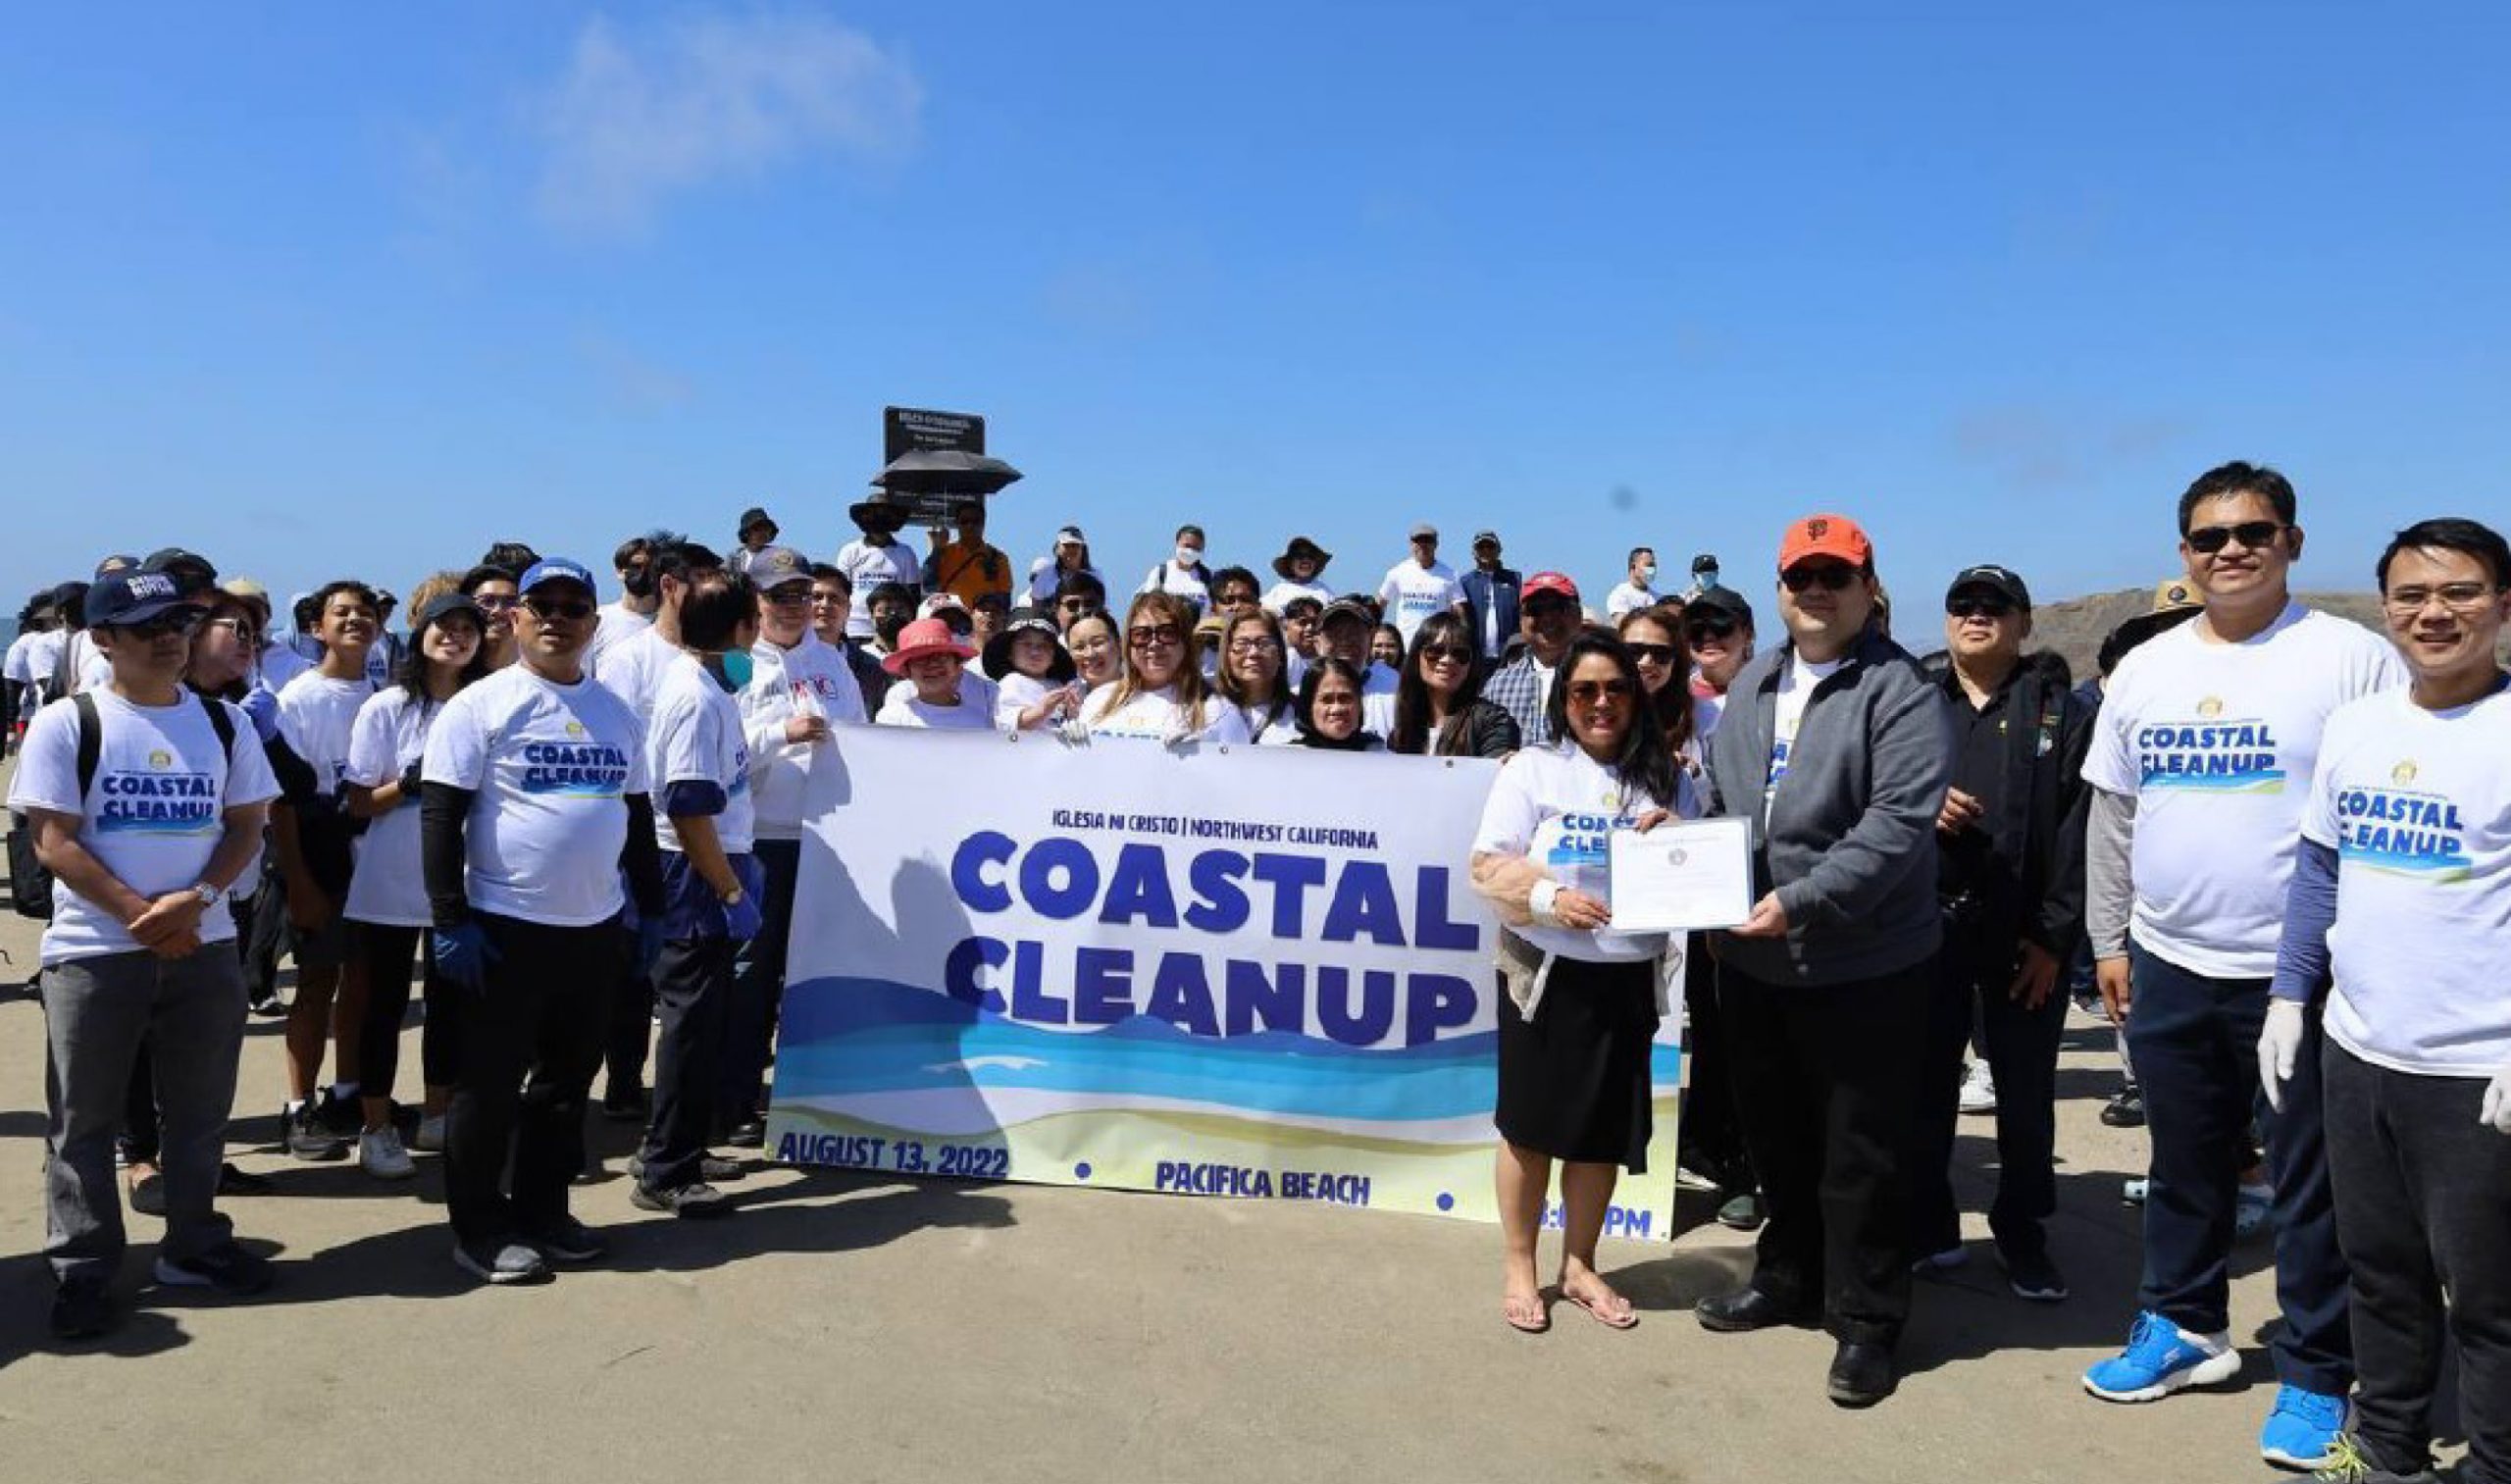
(263,708)
(463,954)
(650,944)
(743,919)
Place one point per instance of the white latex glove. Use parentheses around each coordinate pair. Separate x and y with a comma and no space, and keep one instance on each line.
(2497,1103)
(2280,1045)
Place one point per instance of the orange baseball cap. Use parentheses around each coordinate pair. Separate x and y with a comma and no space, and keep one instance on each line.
(1834,535)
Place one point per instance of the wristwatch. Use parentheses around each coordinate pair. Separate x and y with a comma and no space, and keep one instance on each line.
(208,894)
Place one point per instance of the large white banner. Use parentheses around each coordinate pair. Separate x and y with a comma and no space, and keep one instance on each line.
(1252,971)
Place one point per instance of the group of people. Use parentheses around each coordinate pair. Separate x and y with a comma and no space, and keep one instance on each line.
(2284,842)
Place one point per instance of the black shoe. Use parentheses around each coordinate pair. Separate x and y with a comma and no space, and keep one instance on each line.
(699,1199)
(270,1005)
(714,1167)
(633,1105)
(235,1181)
(1743,1213)
(1746,1309)
(81,1309)
(229,1269)
(567,1240)
(2127,1110)
(339,1115)
(306,1136)
(1862,1374)
(749,1133)
(2032,1276)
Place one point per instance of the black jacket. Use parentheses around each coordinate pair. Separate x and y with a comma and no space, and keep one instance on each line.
(2036,816)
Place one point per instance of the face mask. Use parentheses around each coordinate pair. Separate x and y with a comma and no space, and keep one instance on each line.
(1707,577)
(1188,556)
(737,669)
(638,582)
(1647,575)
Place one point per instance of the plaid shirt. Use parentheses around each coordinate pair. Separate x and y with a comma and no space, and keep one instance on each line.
(1517,687)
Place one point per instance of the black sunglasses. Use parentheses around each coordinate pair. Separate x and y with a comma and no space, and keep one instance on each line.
(1976,607)
(1831,577)
(1708,626)
(2254,536)
(171,621)
(1660,654)
(1455,654)
(557,609)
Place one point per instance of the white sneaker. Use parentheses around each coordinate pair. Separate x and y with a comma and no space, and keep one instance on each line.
(1980,1090)
(379,1153)
(430,1139)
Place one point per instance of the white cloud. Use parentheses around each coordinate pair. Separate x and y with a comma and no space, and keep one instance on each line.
(637,117)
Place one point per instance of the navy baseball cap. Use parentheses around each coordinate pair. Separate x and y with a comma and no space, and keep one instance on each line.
(554,568)
(2004,581)
(119,599)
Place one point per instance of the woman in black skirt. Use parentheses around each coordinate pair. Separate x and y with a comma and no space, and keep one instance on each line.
(1581,1001)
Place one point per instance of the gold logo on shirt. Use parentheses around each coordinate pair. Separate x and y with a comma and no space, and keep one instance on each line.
(575,728)
(2211,707)
(161,759)
(2403,774)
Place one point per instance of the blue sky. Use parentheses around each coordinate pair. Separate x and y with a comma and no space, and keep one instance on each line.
(354,290)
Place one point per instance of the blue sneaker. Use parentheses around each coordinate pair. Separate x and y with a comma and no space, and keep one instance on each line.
(2302,1429)
(2161,1357)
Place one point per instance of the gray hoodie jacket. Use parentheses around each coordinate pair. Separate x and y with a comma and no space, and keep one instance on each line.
(1849,843)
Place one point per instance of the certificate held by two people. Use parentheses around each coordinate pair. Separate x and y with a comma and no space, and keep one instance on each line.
(1683,876)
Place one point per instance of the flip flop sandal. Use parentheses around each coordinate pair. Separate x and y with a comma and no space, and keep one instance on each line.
(1542,1317)
(1626,1319)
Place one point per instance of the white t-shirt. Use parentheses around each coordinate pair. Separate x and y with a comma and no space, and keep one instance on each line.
(315,716)
(2217,744)
(1283,593)
(868,566)
(1155,716)
(1044,576)
(696,738)
(1705,712)
(1379,685)
(90,668)
(2416,804)
(389,734)
(1016,692)
(1795,689)
(975,689)
(1627,597)
(811,678)
(16,666)
(1178,582)
(552,767)
(619,623)
(1279,730)
(974,712)
(633,669)
(1413,592)
(153,816)
(1559,808)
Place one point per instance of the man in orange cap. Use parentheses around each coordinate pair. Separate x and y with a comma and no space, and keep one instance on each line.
(1833,743)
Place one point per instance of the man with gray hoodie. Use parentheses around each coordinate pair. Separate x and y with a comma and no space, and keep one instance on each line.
(1833,744)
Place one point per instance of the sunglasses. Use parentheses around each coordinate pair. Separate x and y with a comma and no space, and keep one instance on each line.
(245,633)
(2253,536)
(1831,577)
(1654,654)
(1590,693)
(1976,607)
(1075,605)
(1159,634)
(1717,626)
(788,598)
(171,621)
(550,610)
(1454,654)
(1545,607)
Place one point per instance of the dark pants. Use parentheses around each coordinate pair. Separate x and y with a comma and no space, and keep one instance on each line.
(2422,1206)
(530,1041)
(1827,1076)
(2195,1044)
(1713,1137)
(758,983)
(97,1013)
(1973,977)
(693,977)
(630,1019)
(388,951)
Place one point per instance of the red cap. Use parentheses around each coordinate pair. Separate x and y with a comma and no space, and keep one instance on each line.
(1548,582)
(1834,535)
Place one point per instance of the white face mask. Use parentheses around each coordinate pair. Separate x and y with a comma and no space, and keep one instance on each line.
(1188,556)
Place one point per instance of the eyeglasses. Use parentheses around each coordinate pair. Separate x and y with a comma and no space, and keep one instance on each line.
(1831,577)
(1595,693)
(243,630)
(2458,597)
(492,602)
(1256,645)
(2254,536)
(1454,654)
(1654,654)
(1155,634)
(1976,607)
(1714,626)
(555,610)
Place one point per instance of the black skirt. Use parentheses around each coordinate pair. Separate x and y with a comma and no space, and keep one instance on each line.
(1573,1081)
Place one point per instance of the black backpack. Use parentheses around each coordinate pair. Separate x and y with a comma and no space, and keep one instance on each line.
(30,884)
